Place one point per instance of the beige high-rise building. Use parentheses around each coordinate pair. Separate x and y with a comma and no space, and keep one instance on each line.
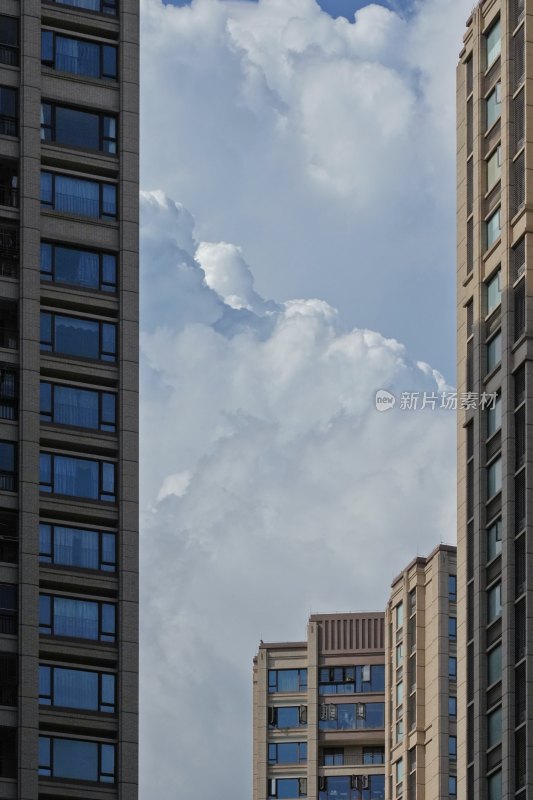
(421,680)
(319,712)
(495,548)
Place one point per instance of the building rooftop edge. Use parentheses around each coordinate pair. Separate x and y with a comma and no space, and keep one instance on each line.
(424,560)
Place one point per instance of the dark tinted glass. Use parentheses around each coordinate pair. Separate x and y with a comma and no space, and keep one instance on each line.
(77,128)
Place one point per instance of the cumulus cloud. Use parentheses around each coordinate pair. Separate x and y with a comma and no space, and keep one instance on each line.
(271,488)
(324,148)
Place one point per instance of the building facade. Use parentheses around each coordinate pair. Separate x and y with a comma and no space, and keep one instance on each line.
(421,680)
(319,712)
(68,399)
(495,548)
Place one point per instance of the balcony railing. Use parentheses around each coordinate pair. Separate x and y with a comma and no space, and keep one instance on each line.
(8,622)
(351,760)
(9,55)
(8,126)
(9,338)
(7,482)
(9,196)
(9,550)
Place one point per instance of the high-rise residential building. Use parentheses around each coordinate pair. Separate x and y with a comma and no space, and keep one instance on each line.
(421,680)
(68,399)
(319,712)
(495,455)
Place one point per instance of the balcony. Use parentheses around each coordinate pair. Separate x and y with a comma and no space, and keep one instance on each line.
(8,325)
(9,195)
(9,251)
(336,757)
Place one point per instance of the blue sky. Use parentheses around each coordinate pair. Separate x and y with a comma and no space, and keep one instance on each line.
(336,8)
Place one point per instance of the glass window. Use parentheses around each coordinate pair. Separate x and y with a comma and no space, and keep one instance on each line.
(452,629)
(81,408)
(494,540)
(80,619)
(101,6)
(494,352)
(452,588)
(287,753)
(352,716)
(287,680)
(399,770)
(78,56)
(494,168)
(76,128)
(286,717)
(494,478)
(399,693)
(72,336)
(452,668)
(76,760)
(494,416)
(399,730)
(88,268)
(76,688)
(452,747)
(452,786)
(494,602)
(78,477)
(494,665)
(493,228)
(79,196)
(8,111)
(493,40)
(494,105)
(494,784)
(494,291)
(494,727)
(286,788)
(9,40)
(399,615)
(452,707)
(399,655)
(77,547)
(8,467)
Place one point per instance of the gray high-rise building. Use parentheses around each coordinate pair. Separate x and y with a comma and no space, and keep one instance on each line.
(495,381)
(68,399)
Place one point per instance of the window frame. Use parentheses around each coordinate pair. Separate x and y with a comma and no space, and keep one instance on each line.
(10,120)
(102,46)
(103,495)
(50,276)
(496,214)
(274,747)
(49,346)
(9,478)
(105,636)
(45,557)
(104,425)
(494,26)
(103,707)
(302,685)
(47,770)
(111,4)
(102,117)
(497,94)
(101,184)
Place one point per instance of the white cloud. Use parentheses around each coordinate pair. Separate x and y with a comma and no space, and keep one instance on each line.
(324,148)
(272,487)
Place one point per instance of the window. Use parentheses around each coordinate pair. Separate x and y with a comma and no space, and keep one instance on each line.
(494,352)
(494,291)
(494,785)
(452,629)
(494,105)
(452,786)
(8,679)
(494,168)
(101,6)
(452,588)
(399,731)
(80,619)
(81,408)
(77,688)
(373,755)
(8,609)
(494,727)
(287,717)
(494,42)
(9,40)
(350,680)
(399,655)
(8,752)
(77,547)
(494,540)
(494,602)
(399,693)
(333,757)
(452,668)
(75,759)
(494,416)
(8,467)
(452,707)
(78,477)
(8,394)
(493,228)
(452,747)
(287,788)
(76,128)
(399,770)
(74,336)
(351,716)
(494,478)
(88,268)
(79,196)
(350,787)
(8,111)
(399,615)
(287,753)
(78,56)
(494,665)
(287,680)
